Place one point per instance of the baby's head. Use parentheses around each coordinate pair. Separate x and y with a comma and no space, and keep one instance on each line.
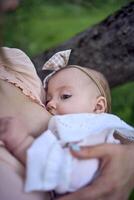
(75,89)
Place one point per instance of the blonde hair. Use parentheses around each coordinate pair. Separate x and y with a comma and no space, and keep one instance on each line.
(100,81)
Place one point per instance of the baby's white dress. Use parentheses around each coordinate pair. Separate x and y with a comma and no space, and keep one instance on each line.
(51,166)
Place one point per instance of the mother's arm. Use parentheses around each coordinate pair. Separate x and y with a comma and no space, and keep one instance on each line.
(116,180)
(12,186)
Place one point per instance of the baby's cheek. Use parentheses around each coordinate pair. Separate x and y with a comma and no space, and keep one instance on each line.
(65,110)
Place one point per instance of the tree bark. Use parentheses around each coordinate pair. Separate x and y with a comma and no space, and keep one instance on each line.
(107,47)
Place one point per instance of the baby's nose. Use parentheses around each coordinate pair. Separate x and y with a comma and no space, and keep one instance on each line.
(51,107)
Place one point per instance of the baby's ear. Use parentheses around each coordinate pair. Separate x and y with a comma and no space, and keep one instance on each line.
(101,105)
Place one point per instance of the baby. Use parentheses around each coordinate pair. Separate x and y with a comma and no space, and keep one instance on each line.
(79,98)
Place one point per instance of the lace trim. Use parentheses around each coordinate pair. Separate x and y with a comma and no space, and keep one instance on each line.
(25,91)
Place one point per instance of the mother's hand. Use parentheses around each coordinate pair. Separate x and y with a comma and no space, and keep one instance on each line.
(12,131)
(116,179)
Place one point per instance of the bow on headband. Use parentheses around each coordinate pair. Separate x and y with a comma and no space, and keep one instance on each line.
(55,63)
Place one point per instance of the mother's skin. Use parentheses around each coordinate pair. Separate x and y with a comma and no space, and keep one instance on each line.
(35,118)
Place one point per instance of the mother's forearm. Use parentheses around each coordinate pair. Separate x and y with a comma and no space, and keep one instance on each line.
(12,186)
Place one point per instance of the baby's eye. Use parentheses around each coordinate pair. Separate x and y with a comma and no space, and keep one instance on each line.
(65,96)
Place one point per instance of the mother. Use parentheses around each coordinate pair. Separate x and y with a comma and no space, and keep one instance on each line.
(21,94)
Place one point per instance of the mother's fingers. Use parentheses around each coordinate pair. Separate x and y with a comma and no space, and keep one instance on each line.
(4,121)
(3,126)
(97,151)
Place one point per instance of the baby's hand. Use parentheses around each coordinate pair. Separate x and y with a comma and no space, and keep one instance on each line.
(10,132)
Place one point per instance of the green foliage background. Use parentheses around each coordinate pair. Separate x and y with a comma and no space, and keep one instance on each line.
(38,25)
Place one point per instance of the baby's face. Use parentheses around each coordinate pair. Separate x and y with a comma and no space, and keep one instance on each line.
(70,91)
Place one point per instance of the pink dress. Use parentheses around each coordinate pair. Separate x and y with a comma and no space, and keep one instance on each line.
(17,69)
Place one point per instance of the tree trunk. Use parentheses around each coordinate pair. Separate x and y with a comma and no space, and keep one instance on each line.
(107,47)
